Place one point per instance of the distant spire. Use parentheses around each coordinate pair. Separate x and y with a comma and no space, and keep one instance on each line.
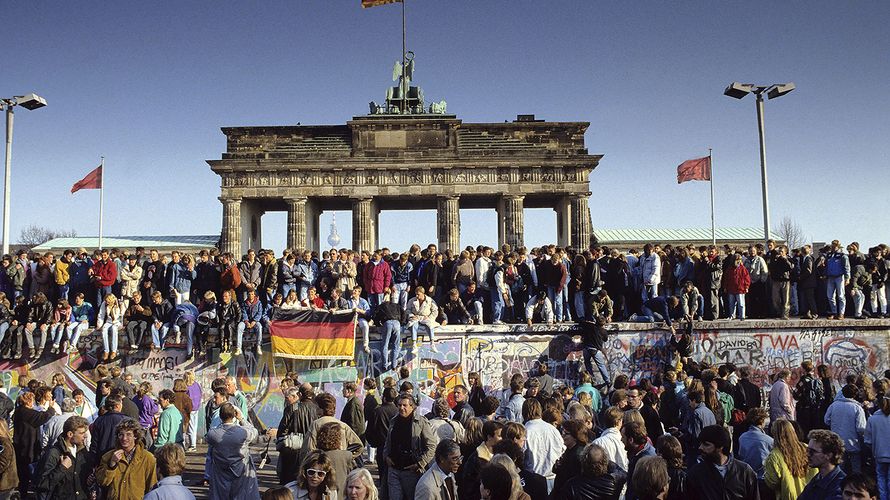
(334,237)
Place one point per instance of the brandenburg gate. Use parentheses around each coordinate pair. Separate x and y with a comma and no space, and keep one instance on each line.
(402,156)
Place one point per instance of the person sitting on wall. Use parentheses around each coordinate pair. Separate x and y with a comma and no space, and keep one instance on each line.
(539,309)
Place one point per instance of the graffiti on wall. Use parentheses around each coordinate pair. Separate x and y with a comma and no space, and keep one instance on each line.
(495,356)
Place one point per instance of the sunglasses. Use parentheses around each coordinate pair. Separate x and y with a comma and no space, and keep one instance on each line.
(315,473)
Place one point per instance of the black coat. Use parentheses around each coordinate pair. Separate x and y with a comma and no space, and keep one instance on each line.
(104,433)
(605,487)
(58,482)
(378,426)
(27,422)
(705,482)
(568,466)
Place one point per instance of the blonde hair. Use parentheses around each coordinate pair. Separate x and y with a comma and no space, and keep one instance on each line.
(633,416)
(365,477)
(189,377)
(507,463)
(110,299)
(794,452)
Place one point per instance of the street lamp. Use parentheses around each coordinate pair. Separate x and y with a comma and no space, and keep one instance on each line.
(740,90)
(30,101)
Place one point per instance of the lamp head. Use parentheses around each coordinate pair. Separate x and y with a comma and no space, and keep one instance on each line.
(30,101)
(780,89)
(738,90)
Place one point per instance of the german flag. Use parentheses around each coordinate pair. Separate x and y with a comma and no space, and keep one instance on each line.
(313,334)
(375,3)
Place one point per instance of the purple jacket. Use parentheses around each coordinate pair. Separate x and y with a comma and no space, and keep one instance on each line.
(194,392)
(147,410)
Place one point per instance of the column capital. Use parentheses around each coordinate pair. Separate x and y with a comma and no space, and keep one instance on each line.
(296,199)
(580,195)
(360,199)
(448,196)
(230,199)
(518,197)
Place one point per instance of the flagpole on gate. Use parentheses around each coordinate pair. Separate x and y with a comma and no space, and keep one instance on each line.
(404,84)
(711,176)
(101,196)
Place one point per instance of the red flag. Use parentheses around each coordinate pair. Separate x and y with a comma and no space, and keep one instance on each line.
(698,169)
(375,3)
(93,180)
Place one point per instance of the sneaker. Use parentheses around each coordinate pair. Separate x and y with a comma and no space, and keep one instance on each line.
(236,352)
(497,322)
(840,316)
(134,347)
(259,350)
(192,449)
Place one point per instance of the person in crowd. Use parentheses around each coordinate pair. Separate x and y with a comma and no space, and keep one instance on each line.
(837,273)
(137,320)
(183,320)
(330,441)
(719,474)
(651,480)
(846,418)
(825,450)
(391,317)
(737,281)
(127,471)
(668,447)
(9,476)
(104,428)
(327,405)
(360,485)
(66,463)
(755,444)
(26,438)
(786,472)
(170,465)
(495,483)
(162,316)
(468,474)
(439,481)
(781,401)
(148,410)
(859,486)
(409,448)
(232,472)
(169,422)
(575,437)
(52,429)
(610,440)
(877,440)
(809,394)
(512,407)
(422,311)
(542,439)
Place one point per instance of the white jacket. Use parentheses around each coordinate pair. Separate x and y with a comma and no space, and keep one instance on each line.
(651,269)
(545,446)
(610,440)
(426,311)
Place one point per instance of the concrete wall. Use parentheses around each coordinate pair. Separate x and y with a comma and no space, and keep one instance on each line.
(498,352)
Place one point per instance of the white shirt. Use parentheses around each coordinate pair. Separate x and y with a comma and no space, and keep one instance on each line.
(610,440)
(545,446)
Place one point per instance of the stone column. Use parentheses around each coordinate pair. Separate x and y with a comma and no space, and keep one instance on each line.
(563,221)
(580,221)
(362,225)
(231,225)
(514,227)
(296,222)
(448,223)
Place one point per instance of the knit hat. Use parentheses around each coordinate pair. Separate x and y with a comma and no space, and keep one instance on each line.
(716,435)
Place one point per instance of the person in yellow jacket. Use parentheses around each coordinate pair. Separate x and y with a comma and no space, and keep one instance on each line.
(128,471)
(61,274)
(786,469)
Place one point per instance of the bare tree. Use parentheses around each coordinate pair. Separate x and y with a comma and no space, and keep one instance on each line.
(790,231)
(33,235)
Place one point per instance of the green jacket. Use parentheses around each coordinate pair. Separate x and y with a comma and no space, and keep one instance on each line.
(169,427)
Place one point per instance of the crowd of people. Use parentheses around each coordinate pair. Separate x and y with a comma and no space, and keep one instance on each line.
(691,431)
(158,300)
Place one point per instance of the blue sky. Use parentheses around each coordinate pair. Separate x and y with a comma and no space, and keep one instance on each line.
(148,85)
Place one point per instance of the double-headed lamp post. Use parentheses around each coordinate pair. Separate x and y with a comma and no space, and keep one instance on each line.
(30,101)
(740,90)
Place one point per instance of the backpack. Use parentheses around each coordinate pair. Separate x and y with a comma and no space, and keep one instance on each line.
(834,265)
(809,392)
(727,403)
(490,275)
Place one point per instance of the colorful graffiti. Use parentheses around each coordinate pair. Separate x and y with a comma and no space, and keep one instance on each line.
(496,355)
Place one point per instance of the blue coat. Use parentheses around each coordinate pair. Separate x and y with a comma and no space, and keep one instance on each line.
(232,473)
(252,311)
(185,311)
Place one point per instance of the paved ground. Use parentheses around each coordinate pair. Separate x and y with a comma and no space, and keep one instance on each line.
(193,475)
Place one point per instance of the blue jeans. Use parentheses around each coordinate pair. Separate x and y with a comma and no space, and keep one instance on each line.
(303,291)
(242,327)
(374,300)
(497,305)
(600,359)
(402,484)
(556,300)
(475,310)
(110,333)
(101,292)
(736,305)
(3,328)
(649,292)
(63,292)
(883,473)
(189,333)
(649,316)
(837,299)
(159,334)
(566,311)
(402,291)
(286,288)
(579,305)
(392,348)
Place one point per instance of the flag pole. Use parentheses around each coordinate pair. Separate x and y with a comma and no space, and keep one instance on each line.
(101,196)
(404,63)
(711,177)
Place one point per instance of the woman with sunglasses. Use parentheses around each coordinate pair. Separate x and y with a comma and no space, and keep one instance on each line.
(317,479)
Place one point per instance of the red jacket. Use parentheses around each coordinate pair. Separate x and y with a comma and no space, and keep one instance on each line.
(230,279)
(105,272)
(377,277)
(737,280)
